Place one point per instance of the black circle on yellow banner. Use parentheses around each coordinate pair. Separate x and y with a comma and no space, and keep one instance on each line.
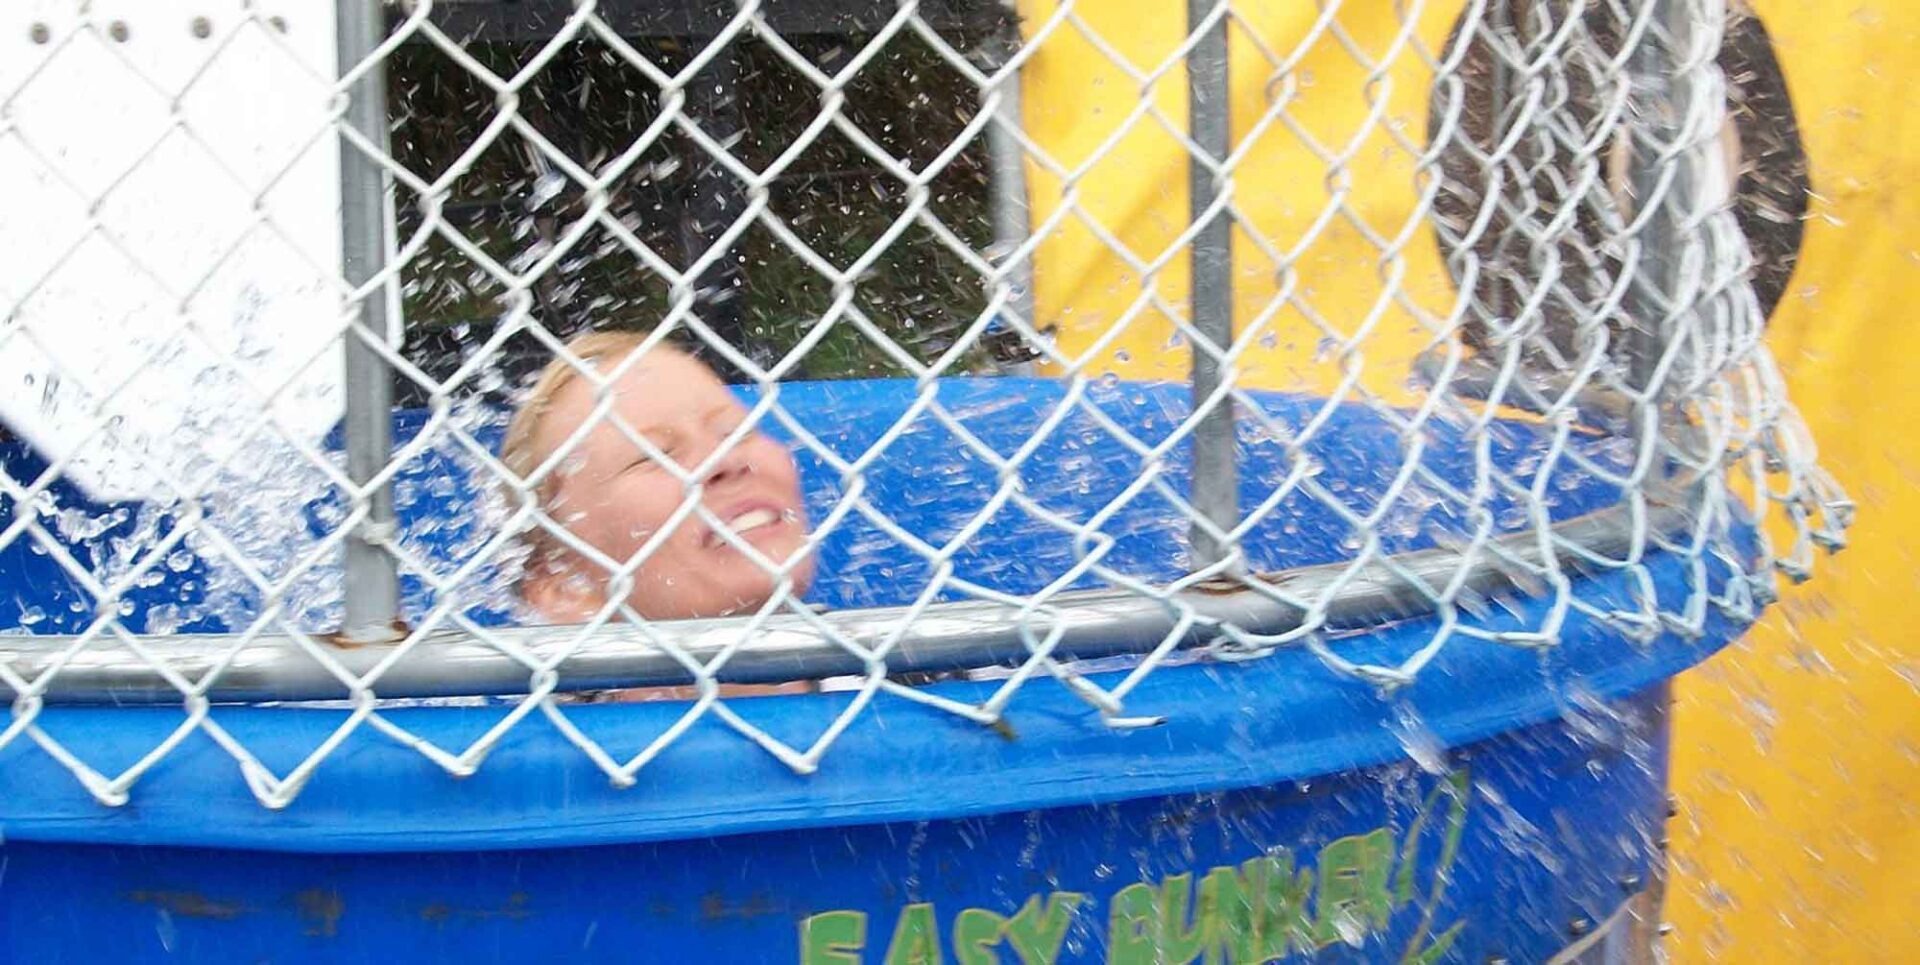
(1543,170)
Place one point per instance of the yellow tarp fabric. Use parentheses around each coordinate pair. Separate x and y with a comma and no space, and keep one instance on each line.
(1797,753)
(1118,180)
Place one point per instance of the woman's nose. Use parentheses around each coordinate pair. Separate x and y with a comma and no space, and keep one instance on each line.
(730,459)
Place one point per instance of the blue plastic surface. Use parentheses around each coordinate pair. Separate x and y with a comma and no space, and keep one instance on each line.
(1529,840)
(720,852)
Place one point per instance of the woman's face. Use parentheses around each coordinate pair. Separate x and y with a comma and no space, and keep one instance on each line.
(608,493)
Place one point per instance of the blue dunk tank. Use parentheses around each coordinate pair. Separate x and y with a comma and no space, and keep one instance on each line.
(1250,805)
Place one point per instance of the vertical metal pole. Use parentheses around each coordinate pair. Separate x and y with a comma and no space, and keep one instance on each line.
(1660,99)
(1215,482)
(1007,199)
(372,576)
(1501,94)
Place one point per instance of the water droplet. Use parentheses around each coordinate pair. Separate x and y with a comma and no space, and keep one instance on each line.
(1352,932)
(1422,745)
(164,929)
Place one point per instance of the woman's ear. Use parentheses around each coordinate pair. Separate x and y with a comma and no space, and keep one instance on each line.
(561,593)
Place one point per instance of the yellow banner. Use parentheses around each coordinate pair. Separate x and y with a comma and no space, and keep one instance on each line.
(1323,171)
(1797,753)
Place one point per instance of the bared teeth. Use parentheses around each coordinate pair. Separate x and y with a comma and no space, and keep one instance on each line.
(753,519)
(750,520)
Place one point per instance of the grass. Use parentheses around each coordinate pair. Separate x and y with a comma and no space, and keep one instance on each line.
(834,197)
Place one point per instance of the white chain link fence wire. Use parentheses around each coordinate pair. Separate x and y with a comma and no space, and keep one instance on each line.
(1574,173)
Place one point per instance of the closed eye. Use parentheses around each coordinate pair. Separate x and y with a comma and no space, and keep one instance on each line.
(641,461)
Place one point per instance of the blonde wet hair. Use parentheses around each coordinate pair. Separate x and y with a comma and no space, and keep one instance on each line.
(524,450)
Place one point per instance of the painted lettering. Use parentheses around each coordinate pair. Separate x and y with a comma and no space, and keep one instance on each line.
(1133,926)
(1285,925)
(1227,904)
(1259,910)
(1181,937)
(1353,897)
(1037,932)
(976,932)
(916,938)
(833,938)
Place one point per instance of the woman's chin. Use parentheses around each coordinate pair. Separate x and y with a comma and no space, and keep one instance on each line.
(803,577)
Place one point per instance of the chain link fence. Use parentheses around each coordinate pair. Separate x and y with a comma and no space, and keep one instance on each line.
(277,286)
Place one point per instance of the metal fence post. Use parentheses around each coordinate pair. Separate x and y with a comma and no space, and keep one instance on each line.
(372,576)
(1661,94)
(1007,200)
(1215,485)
